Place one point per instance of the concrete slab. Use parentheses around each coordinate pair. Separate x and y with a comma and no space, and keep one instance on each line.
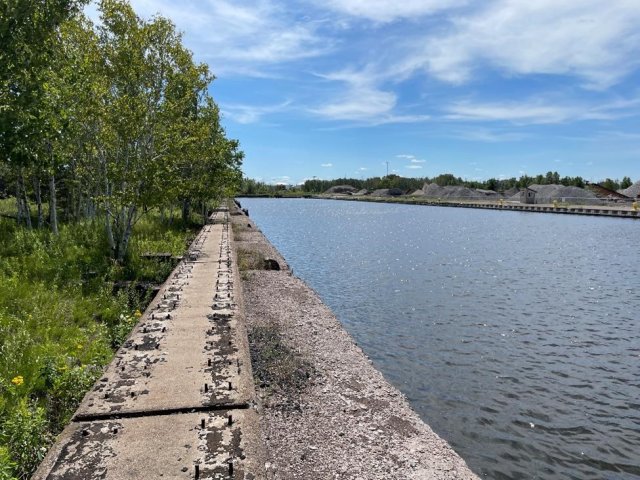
(194,359)
(220,445)
(188,351)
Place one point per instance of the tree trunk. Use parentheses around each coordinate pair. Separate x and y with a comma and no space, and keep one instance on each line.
(25,201)
(38,192)
(126,229)
(186,205)
(19,203)
(53,205)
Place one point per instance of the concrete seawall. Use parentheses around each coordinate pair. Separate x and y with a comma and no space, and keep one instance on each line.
(177,400)
(344,421)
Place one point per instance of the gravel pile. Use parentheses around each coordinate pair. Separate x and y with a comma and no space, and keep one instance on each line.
(348,422)
(342,189)
(549,193)
(436,191)
(386,192)
(488,193)
(633,191)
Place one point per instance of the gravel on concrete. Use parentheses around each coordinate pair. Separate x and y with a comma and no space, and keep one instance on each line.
(348,422)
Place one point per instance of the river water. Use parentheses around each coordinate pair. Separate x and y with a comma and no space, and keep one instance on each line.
(515,336)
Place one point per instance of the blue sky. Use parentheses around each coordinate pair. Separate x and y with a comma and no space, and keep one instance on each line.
(490,88)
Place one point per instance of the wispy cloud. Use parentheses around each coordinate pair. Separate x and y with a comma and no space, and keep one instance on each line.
(386,11)
(326,165)
(540,112)
(246,114)
(240,37)
(411,158)
(591,39)
(413,166)
(362,101)
(478,134)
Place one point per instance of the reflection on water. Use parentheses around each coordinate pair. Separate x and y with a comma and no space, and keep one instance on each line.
(514,335)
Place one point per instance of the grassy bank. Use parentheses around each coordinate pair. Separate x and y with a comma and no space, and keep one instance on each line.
(61,320)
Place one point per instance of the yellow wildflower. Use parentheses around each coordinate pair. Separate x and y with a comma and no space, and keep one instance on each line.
(137,314)
(19,380)
(79,346)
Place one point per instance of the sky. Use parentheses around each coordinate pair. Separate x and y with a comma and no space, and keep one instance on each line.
(477,88)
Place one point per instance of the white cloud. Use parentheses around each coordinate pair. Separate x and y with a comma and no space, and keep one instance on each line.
(540,112)
(413,166)
(362,169)
(417,160)
(386,11)
(405,156)
(595,40)
(474,134)
(246,114)
(363,101)
(239,36)
(327,165)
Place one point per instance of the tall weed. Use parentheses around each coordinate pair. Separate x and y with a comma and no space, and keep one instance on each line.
(60,321)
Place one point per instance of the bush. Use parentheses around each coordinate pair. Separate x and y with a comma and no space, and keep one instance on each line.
(60,322)
(26,436)
(6,465)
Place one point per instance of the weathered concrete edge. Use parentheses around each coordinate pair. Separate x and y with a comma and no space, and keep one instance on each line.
(254,442)
(50,459)
(254,445)
(464,472)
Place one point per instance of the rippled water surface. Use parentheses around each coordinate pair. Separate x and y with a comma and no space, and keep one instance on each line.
(515,335)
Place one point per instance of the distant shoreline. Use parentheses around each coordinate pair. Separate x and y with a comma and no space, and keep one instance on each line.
(616,211)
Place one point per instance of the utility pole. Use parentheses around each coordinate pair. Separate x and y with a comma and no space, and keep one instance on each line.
(387,168)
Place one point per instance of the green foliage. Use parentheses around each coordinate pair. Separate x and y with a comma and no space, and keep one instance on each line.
(111,121)
(625,183)
(60,320)
(445,179)
(7,466)
(25,433)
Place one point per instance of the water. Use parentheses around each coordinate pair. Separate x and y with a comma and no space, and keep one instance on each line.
(516,336)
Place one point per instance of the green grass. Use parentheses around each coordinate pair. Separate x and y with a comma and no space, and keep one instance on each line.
(60,323)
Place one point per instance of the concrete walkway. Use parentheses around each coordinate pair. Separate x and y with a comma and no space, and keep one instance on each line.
(177,400)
